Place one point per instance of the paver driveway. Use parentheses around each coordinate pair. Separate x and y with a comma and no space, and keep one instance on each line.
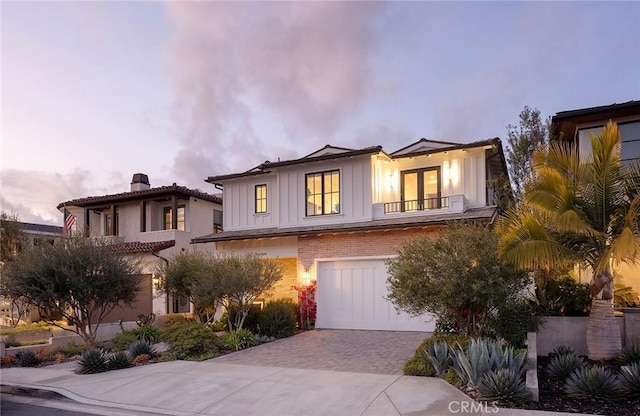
(381,352)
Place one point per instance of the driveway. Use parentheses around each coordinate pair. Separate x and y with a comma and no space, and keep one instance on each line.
(379,352)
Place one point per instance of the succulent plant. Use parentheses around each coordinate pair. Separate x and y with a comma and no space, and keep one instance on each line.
(92,361)
(118,360)
(140,348)
(629,354)
(438,353)
(482,357)
(595,383)
(27,358)
(562,350)
(505,386)
(630,379)
(561,366)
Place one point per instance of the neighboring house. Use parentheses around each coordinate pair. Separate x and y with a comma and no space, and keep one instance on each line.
(151,224)
(337,214)
(578,125)
(30,235)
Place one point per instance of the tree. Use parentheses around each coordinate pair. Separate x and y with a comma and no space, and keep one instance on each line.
(456,276)
(244,279)
(192,275)
(523,140)
(81,279)
(580,209)
(12,240)
(231,281)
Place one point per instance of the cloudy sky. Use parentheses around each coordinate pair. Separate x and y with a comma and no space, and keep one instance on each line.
(93,92)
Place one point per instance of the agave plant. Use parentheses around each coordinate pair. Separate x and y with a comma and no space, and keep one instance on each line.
(438,354)
(141,348)
(504,386)
(482,357)
(561,366)
(92,361)
(596,383)
(562,350)
(27,358)
(630,354)
(118,360)
(630,379)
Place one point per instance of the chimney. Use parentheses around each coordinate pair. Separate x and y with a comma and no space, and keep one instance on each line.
(140,182)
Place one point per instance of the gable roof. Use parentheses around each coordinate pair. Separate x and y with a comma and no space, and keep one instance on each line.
(326,153)
(159,192)
(602,110)
(423,145)
(426,147)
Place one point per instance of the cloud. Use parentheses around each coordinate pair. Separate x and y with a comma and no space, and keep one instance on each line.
(254,81)
(33,195)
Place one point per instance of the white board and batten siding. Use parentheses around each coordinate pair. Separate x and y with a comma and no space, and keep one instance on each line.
(351,294)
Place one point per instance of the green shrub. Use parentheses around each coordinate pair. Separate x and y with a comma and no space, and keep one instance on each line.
(27,358)
(278,319)
(415,366)
(238,340)
(189,340)
(595,383)
(92,361)
(218,326)
(141,348)
(123,340)
(561,366)
(118,360)
(173,319)
(514,319)
(451,377)
(71,349)
(504,386)
(250,322)
(630,354)
(566,297)
(630,379)
(150,334)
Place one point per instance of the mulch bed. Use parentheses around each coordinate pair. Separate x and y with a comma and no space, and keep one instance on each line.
(552,398)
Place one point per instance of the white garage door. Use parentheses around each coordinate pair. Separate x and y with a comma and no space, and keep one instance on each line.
(351,295)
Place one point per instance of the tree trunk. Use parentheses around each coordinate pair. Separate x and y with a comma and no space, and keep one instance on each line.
(603,334)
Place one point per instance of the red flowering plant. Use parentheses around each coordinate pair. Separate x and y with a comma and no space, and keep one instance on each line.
(306,305)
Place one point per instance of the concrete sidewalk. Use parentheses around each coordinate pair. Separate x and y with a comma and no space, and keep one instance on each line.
(213,388)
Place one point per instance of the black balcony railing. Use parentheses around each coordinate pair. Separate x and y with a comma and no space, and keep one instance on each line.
(416,205)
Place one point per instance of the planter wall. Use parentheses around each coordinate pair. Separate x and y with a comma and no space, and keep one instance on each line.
(566,330)
(631,332)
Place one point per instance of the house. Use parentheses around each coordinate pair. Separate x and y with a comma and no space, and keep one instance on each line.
(150,224)
(578,125)
(337,214)
(18,234)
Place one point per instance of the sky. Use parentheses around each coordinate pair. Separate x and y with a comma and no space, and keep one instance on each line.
(93,92)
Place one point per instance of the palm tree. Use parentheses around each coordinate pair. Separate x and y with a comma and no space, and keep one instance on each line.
(580,209)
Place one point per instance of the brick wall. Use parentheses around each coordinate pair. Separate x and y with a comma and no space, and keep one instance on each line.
(282,288)
(358,244)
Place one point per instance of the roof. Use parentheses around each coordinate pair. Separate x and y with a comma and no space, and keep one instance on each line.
(32,228)
(477,214)
(433,146)
(596,110)
(328,152)
(147,247)
(159,192)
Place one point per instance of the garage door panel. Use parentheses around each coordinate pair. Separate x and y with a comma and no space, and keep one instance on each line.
(352,295)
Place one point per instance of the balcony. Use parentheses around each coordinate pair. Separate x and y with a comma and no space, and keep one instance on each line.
(430,206)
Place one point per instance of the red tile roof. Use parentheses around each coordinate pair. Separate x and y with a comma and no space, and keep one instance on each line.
(147,247)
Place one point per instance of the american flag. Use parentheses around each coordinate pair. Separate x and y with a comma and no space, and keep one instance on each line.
(69,222)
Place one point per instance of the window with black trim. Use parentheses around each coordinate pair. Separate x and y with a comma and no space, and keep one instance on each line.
(323,193)
(420,189)
(166,224)
(261,199)
(217,221)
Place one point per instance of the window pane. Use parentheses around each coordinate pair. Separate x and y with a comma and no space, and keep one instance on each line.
(584,140)
(630,150)
(410,196)
(181,222)
(167,219)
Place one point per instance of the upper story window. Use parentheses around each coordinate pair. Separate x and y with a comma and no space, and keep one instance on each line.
(420,189)
(323,193)
(110,226)
(261,199)
(629,132)
(217,221)
(167,218)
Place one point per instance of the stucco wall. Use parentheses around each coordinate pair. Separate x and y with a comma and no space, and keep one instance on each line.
(566,330)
